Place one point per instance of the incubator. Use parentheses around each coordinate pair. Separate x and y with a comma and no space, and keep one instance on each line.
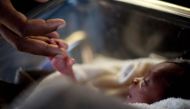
(118,38)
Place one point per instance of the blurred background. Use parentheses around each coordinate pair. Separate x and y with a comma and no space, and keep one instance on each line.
(110,28)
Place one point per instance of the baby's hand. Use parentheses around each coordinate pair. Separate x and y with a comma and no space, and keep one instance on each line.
(64,65)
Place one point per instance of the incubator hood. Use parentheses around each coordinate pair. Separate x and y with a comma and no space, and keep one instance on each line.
(123,29)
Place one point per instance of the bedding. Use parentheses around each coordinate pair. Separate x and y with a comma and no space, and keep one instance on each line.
(169,103)
(112,76)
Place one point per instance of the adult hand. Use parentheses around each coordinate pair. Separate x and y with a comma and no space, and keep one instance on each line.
(30,35)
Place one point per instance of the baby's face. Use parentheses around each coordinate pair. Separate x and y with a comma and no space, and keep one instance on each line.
(153,86)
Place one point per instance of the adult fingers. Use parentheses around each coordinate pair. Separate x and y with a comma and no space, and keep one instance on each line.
(18,23)
(53,35)
(40,47)
(41,27)
(31,45)
(59,42)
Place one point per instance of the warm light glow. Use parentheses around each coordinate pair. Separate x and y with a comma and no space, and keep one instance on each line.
(74,39)
(161,6)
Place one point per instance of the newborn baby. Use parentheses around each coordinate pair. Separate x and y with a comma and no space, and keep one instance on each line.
(163,80)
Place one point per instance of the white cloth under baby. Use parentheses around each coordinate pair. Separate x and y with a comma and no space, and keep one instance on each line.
(170,103)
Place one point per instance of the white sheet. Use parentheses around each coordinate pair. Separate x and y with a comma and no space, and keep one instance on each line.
(170,103)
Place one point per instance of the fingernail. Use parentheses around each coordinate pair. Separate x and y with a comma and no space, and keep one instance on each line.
(58,23)
(61,26)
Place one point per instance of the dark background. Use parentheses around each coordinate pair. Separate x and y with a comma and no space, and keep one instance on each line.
(25,6)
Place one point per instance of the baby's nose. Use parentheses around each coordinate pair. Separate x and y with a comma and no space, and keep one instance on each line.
(137,80)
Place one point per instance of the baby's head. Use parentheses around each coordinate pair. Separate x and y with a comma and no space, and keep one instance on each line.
(164,80)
